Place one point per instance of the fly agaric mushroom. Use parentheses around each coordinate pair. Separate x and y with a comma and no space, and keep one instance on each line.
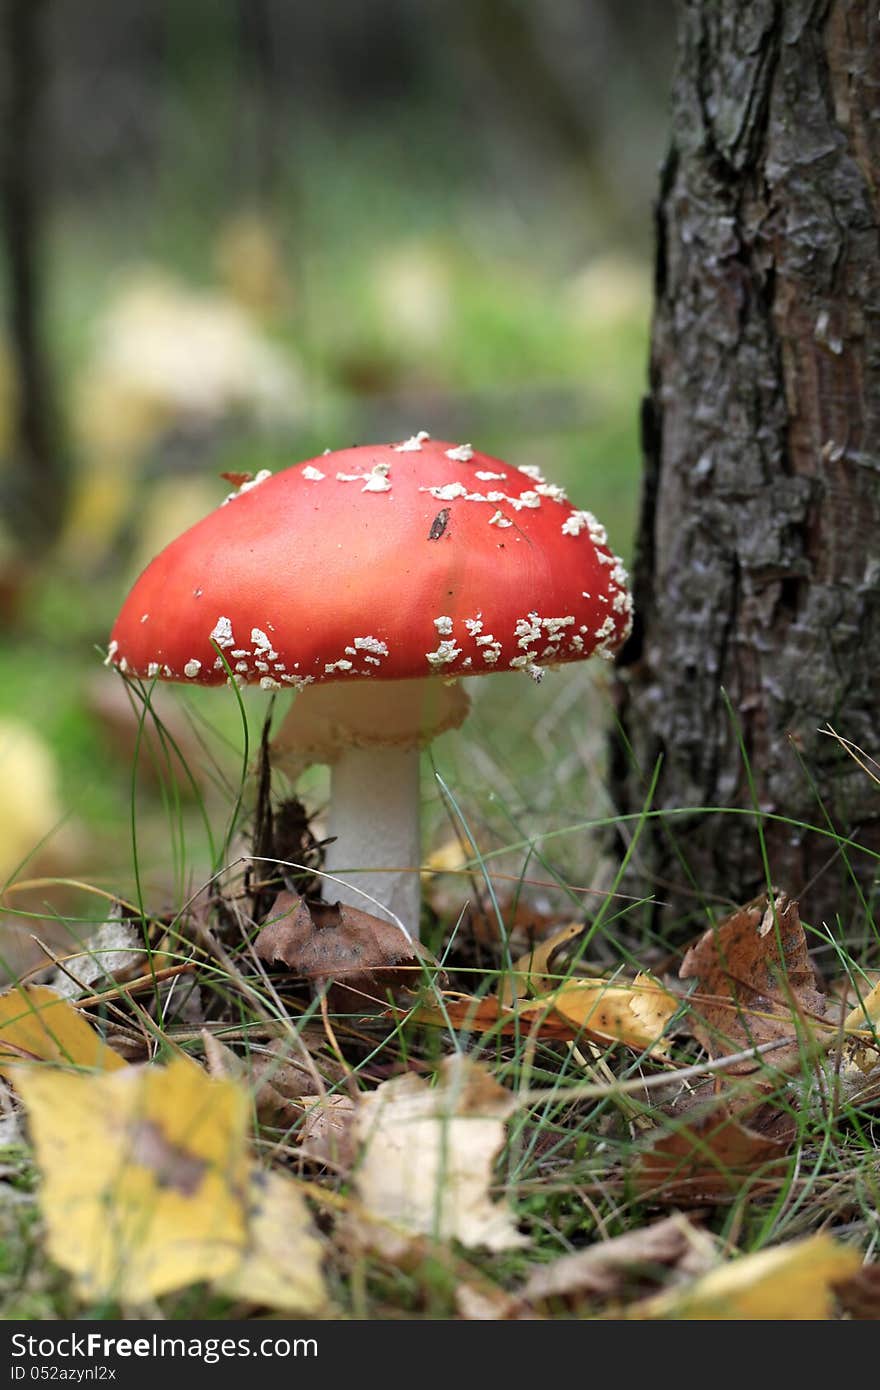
(370,581)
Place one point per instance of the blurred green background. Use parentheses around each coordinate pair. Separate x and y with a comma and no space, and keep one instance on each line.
(254,229)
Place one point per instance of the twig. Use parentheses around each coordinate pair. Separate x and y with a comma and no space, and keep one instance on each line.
(651,1083)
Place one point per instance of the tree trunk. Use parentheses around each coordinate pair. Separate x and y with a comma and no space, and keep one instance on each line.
(35,486)
(260,155)
(757,576)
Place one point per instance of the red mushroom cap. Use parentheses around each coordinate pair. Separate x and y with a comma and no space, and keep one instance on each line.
(386,562)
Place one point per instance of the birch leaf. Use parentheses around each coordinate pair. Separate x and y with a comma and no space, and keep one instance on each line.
(631,1012)
(866,1014)
(861,1055)
(428,1154)
(634,1013)
(531,972)
(144,1175)
(38,1024)
(793,1282)
(281,1267)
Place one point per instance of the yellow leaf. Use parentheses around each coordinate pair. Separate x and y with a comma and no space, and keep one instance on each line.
(281,1267)
(634,1013)
(428,1159)
(37,1023)
(861,1055)
(33,810)
(530,972)
(790,1282)
(144,1175)
(449,858)
(864,1014)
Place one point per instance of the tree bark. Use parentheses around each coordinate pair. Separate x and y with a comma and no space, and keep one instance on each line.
(36,483)
(757,575)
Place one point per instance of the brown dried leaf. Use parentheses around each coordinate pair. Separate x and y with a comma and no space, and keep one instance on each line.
(283,1086)
(363,956)
(710,1157)
(236,479)
(294,1074)
(623,1266)
(860,1293)
(326,1131)
(756,984)
(222,1063)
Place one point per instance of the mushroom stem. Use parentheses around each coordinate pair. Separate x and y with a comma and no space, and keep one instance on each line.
(370,733)
(375,818)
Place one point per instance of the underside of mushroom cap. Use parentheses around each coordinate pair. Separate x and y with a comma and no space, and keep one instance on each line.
(378,563)
(325,720)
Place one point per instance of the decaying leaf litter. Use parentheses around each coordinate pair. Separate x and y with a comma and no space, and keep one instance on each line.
(342,1106)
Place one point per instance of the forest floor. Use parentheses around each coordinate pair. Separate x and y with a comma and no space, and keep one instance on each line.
(218,1135)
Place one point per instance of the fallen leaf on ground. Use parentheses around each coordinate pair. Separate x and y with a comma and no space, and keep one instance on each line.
(716,1156)
(283,1076)
(848,993)
(223,1064)
(792,1282)
(321,1124)
(295,1072)
(866,1013)
(326,1130)
(145,1175)
(622,1266)
(31,809)
(461,894)
(850,1074)
(863,1054)
(113,952)
(634,1013)
(484,1304)
(471,1013)
(756,984)
(530,973)
(859,1293)
(38,1024)
(450,857)
(428,1155)
(281,1265)
(363,956)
